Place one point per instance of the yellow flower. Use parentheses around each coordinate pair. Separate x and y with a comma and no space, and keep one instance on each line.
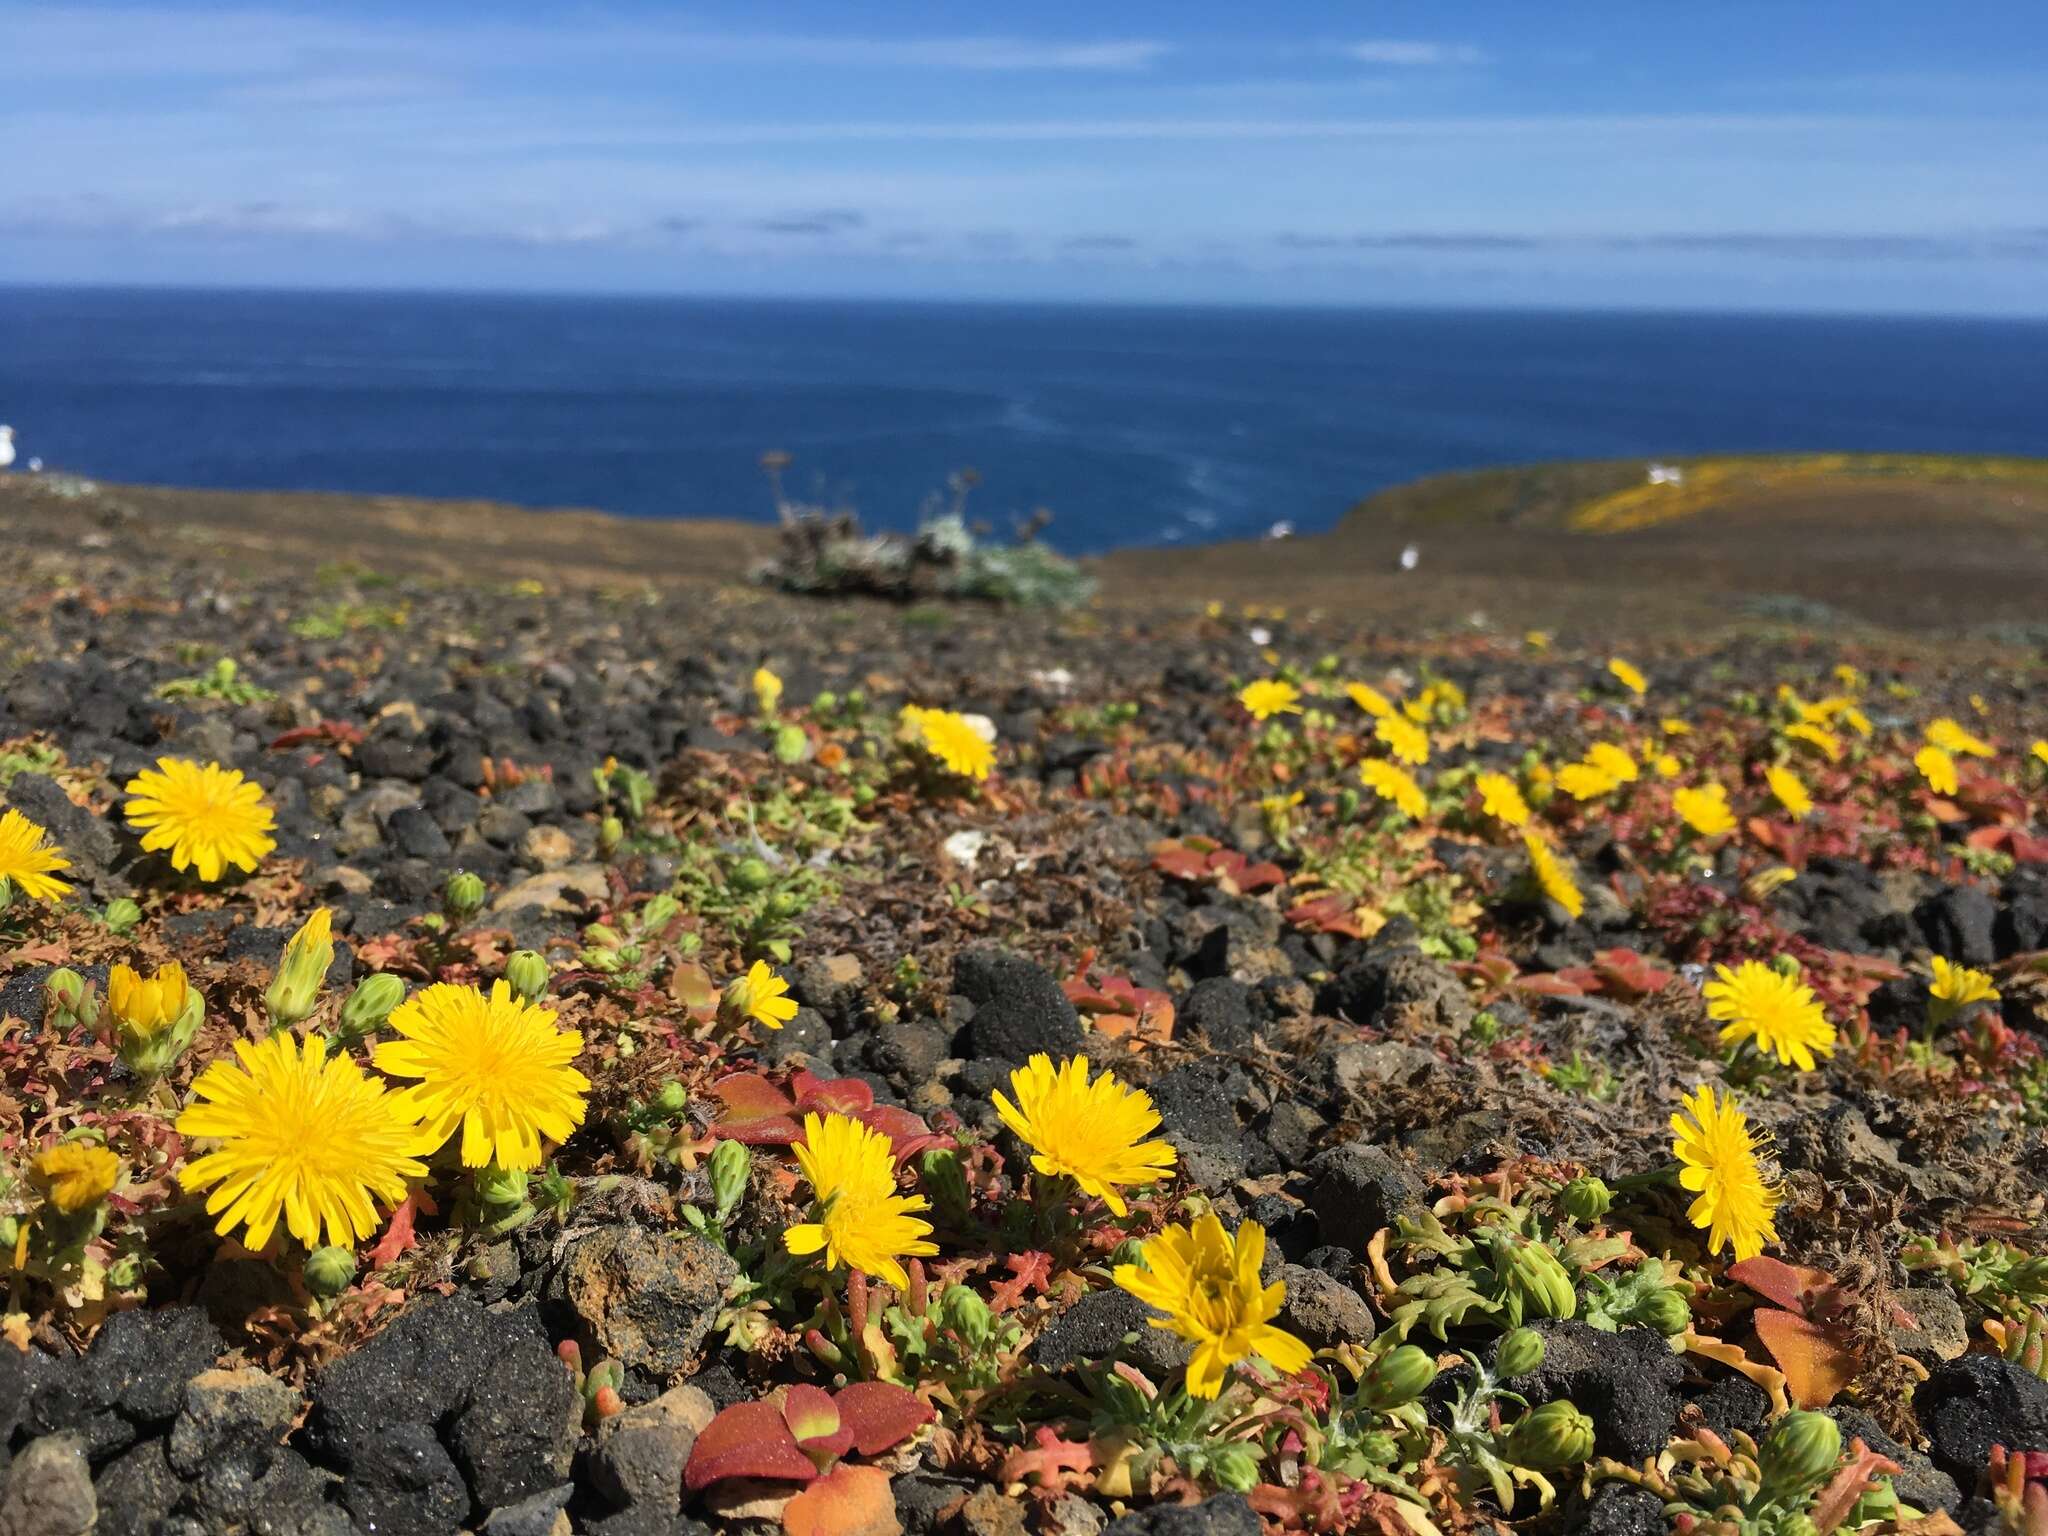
(208,817)
(1665,765)
(302,970)
(1671,725)
(1822,740)
(862,1222)
(1207,1284)
(1091,1132)
(304,1136)
(1500,798)
(1856,720)
(1369,699)
(1393,783)
(2040,751)
(767,690)
(496,1066)
(1629,677)
(146,1008)
(1953,739)
(1583,781)
(1782,1016)
(1937,768)
(1612,761)
(1537,639)
(1552,878)
(1789,791)
(74,1176)
(1956,987)
(1405,739)
(1849,677)
(953,740)
(29,859)
(1270,696)
(762,996)
(1704,809)
(1717,1152)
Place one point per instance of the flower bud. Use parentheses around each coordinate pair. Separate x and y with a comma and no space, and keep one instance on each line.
(370,1005)
(1787,966)
(1235,1466)
(1586,1199)
(1798,1454)
(294,991)
(791,744)
(752,874)
(500,1186)
(730,1165)
(610,833)
(1667,1311)
(69,1001)
(464,897)
(329,1272)
(784,905)
(73,1177)
(121,915)
(1551,1435)
(154,1019)
(1397,1377)
(526,972)
(945,1181)
(1536,1281)
(659,912)
(1520,1352)
(767,690)
(966,1314)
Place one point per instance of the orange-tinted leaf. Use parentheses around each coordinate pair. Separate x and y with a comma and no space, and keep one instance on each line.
(746,1440)
(750,1096)
(847,1501)
(398,1237)
(1791,1286)
(824,1095)
(1051,1463)
(1816,1361)
(879,1415)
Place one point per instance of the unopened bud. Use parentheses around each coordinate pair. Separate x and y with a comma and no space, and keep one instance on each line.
(1586,1200)
(791,744)
(1788,967)
(500,1186)
(294,991)
(329,1272)
(1399,1376)
(122,915)
(945,1181)
(966,1314)
(730,1165)
(1798,1454)
(1667,1311)
(1551,1435)
(464,897)
(752,874)
(370,1005)
(1520,1352)
(610,833)
(69,1001)
(526,972)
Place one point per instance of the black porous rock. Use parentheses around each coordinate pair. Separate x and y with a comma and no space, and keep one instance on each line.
(1621,1509)
(1218,1012)
(1626,1382)
(1975,1402)
(135,1490)
(1227,1514)
(517,1434)
(417,1371)
(1358,1188)
(404,1484)
(1918,1481)
(1019,1009)
(1105,1325)
(1958,922)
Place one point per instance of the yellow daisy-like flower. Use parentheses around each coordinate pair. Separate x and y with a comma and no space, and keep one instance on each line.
(1788,790)
(862,1222)
(74,1176)
(1404,738)
(1552,878)
(496,1066)
(30,860)
(1937,768)
(1664,764)
(1671,725)
(1369,699)
(207,816)
(1091,1132)
(1501,798)
(1704,808)
(1948,735)
(1782,1016)
(1857,721)
(2040,752)
(304,1136)
(762,996)
(1717,1153)
(1613,761)
(1583,781)
(145,1008)
(1956,987)
(767,690)
(1393,783)
(953,740)
(1207,1284)
(1270,696)
(1628,676)
(1536,639)
(1820,738)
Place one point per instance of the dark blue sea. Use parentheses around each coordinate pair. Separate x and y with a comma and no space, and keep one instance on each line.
(1133,426)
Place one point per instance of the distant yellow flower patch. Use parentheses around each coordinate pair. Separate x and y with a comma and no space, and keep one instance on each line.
(1789,791)
(1501,798)
(1404,738)
(1395,784)
(1629,676)
(1937,768)
(1704,808)
(1270,696)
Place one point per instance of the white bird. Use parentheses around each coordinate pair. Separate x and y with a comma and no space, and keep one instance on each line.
(1410,557)
(6,447)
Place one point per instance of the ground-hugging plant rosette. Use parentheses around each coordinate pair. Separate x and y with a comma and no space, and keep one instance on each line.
(493,1055)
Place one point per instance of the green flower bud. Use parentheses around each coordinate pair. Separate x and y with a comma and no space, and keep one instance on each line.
(1235,1466)
(659,912)
(1399,1376)
(330,1271)
(121,915)
(610,833)
(602,936)
(791,744)
(784,905)
(945,1181)
(1798,1455)
(966,1314)
(294,991)
(730,1165)
(1787,966)
(1520,1353)
(672,1099)
(370,1005)
(1586,1200)
(1552,1435)
(1667,1311)
(70,1001)
(464,897)
(1533,1278)
(752,874)
(497,1186)
(526,971)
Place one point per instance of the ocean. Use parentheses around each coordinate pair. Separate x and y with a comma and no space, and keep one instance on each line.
(1133,426)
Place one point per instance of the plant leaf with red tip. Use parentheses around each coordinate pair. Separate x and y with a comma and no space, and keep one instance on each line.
(398,1237)
(879,1415)
(814,1420)
(828,1095)
(1051,1463)
(747,1440)
(750,1096)
(908,1134)
(1028,1272)
(847,1501)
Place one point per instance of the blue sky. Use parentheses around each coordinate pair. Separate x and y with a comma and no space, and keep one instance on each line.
(1867,156)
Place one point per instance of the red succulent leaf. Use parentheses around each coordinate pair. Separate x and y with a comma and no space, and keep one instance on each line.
(1627,974)
(398,1237)
(336,732)
(847,1501)
(828,1095)
(1794,1287)
(878,1415)
(1052,1464)
(1545,984)
(908,1134)
(1863,1468)
(1028,1272)
(813,1419)
(1817,1360)
(1330,913)
(747,1440)
(750,1096)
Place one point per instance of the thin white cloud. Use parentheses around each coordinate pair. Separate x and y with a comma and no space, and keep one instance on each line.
(1409,53)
